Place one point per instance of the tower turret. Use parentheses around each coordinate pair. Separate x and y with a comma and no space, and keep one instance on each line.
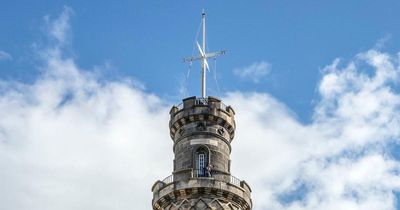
(202,130)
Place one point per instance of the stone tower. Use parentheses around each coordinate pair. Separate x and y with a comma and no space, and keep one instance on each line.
(202,130)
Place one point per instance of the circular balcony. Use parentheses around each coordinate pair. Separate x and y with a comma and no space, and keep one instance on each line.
(228,187)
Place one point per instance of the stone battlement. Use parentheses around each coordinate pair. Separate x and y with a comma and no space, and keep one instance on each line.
(200,116)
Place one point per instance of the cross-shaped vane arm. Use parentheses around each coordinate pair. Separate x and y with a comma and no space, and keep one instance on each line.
(208,55)
(203,57)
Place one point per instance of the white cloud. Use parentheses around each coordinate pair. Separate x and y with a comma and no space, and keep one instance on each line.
(255,72)
(341,158)
(383,41)
(58,29)
(69,141)
(4,56)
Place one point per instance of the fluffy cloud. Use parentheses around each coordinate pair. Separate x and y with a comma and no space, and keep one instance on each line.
(72,140)
(69,141)
(255,72)
(340,160)
(4,56)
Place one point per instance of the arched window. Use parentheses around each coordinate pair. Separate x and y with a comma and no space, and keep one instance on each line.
(201,162)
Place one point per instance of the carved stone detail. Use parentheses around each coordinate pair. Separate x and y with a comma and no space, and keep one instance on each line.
(202,204)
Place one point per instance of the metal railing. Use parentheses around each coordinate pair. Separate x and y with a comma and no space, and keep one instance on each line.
(168,179)
(202,102)
(224,106)
(179,106)
(201,173)
(235,181)
(198,173)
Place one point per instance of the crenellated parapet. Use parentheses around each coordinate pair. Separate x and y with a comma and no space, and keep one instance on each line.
(202,116)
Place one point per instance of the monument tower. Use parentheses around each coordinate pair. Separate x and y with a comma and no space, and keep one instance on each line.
(202,130)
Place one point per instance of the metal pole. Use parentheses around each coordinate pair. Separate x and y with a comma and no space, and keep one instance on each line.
(203,86)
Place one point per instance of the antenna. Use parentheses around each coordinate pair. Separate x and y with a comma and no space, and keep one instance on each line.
(203,56)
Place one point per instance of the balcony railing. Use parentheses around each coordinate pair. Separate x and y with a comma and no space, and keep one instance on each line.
(201,173)
(202,102)
(196,173)
(235,181)
(197,102)
(168,179)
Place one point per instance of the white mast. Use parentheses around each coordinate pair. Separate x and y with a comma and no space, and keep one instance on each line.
(204,60)
(203,57)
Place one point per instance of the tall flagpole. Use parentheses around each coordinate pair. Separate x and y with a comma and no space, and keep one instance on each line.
(203,56)
(203,78)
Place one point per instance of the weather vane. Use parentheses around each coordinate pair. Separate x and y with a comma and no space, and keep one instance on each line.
(203,56)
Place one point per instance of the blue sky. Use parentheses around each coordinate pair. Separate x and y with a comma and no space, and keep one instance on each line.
(146,40)
(315,86)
